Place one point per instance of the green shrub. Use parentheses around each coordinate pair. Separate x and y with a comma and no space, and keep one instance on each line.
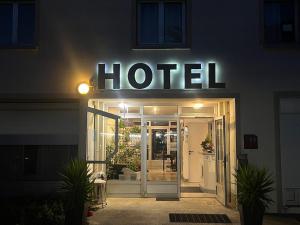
(254,186)
(77,188)
(32,211)
(44,213)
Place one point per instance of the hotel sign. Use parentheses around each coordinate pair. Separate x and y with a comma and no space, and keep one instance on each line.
(164,76)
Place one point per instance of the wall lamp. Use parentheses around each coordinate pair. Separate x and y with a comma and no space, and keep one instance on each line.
(83,88)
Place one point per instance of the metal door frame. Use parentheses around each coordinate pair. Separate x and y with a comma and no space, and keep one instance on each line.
(144,126)
(222,118)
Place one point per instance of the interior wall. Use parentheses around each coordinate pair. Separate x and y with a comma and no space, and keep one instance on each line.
(198,131)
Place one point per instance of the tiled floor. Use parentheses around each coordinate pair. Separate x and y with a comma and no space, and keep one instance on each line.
(148,211)
(159,175)
(197,195)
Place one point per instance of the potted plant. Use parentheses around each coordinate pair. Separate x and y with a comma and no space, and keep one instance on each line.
(207,145)
(129,152)
(253,188)
(77,187)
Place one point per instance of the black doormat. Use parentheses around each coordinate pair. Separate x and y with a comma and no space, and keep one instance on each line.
(198,218)
(190,190)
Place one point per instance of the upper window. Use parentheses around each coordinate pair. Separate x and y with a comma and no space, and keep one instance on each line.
(161,23)
(280,21)
(17,23)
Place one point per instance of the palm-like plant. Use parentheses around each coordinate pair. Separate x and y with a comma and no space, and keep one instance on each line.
(77,186)
(254,186)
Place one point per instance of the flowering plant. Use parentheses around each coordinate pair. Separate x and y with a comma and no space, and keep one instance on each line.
(207,145)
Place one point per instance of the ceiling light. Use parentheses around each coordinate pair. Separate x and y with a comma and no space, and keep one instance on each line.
(122,106)
(198,106)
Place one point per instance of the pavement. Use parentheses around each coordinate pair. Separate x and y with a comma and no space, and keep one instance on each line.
(148,211)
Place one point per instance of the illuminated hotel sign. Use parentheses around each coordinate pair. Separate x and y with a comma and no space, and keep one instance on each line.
(164,76)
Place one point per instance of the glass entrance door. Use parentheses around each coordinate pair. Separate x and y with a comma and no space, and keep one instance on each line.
(220,159)
(161,157)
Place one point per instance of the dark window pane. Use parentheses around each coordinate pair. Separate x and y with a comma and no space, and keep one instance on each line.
(173,22)
(11,162)
(30,159)
(148,24)
(53,159)
(279,21)
(287,21)
(6,12)
(26,26)
(272,22)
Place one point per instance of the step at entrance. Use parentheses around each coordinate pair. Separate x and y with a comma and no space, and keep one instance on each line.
(191,190)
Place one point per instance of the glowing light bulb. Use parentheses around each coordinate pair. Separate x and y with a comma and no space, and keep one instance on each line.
(198,106)
(122,106)
(83,88)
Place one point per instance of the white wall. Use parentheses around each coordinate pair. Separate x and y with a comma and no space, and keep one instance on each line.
(198,130)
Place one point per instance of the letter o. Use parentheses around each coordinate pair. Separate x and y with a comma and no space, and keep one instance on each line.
(148,76)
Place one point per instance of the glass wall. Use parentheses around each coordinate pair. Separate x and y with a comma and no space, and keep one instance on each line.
(220,150)
(126,163)
(100,141)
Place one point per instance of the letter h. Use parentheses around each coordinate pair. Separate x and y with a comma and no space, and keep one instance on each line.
(102,76)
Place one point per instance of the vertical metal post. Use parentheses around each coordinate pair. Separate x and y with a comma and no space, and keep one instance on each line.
(224,158)
(143,155)
(116,135)
(178,158)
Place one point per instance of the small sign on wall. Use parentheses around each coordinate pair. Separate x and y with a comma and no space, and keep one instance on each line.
(250,141)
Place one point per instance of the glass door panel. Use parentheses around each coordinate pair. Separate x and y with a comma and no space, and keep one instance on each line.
(161,175)
(125,165)
(220,158)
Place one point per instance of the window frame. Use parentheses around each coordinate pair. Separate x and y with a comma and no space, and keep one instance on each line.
(186,26)
(280,44)
(14,42)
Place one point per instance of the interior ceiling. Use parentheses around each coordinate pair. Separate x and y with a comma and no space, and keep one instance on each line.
(190,102)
